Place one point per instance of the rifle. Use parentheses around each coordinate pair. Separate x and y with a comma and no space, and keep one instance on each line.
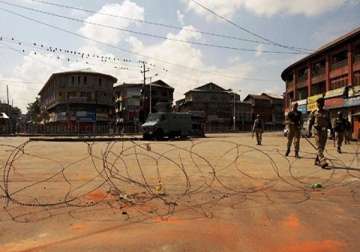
(312,145)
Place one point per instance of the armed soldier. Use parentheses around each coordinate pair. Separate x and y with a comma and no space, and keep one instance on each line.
(258,128)
(348,132)
(294,123)
(321,121)
(340,127)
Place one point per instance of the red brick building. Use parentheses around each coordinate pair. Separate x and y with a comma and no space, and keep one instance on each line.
(332,72)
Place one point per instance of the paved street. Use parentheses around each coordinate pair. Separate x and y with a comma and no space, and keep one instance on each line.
(221,193)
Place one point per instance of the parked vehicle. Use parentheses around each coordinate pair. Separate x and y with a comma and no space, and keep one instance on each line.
(167,124)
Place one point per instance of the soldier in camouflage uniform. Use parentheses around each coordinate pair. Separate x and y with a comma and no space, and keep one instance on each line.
(340,126)
(258,128)
(348,132)
(294,123)
(321,121)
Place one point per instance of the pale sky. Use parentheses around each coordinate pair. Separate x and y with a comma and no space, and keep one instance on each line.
(183,55)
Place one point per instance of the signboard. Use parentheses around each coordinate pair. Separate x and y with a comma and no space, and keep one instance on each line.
(354,91)
(300,102)
(353,101)
(311,102)
(302,108)
(337,102)
(83,116)
(334,93)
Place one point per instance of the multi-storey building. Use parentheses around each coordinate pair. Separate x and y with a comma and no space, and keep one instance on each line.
(132,103)
(220,106)
(128,99)
(277,105)
(78,102)
(162,97)
(332,72)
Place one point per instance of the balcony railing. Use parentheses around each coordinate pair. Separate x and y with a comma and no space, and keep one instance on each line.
(339,64)
(317,72)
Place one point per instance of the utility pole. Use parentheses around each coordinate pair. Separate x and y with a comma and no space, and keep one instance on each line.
(144,70)
(150,84)
(142,110)
(234,116)
(7,94)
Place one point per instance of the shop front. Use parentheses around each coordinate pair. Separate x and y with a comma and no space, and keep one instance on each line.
(353,106)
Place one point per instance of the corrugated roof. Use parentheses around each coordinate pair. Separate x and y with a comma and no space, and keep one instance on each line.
(273,96)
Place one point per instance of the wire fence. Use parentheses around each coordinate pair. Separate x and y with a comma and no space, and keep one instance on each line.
(144,180)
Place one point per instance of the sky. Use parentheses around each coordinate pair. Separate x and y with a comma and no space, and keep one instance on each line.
(242,45)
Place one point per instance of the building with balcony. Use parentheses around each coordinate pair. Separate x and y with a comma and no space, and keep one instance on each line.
(270,107)
(128,99)
(132,103)
(78,102)
(218,106)
(332,72)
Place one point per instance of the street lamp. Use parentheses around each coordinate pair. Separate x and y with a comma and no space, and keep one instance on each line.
(234,109)
(150,98)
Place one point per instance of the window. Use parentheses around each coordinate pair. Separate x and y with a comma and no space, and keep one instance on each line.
(60,94)
(100,82)
(356,79)
(73,80)
(85,80)
(79,80)
(318,68)
(302,74)
(356,53)
(302,93)
(338,82)
(318,88)
(339,60)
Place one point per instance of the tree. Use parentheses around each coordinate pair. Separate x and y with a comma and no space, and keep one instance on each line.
(33,111)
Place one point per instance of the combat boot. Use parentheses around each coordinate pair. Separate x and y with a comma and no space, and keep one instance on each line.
(297,155)
(287,152)
(317,161)
(339,150)
(324,164)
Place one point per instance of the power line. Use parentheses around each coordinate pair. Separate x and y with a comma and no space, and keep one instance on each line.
(125,50)
(151,22)
(248,31)
(145,33)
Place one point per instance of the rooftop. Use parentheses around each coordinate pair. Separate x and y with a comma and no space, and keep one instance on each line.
(323,49)
(79,71)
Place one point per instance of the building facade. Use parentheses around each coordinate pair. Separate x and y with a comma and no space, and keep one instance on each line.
(332,72)
(270,107)
(277,106)
(9,118)
(78,102)
(220,106)
(132,103)
(128,99)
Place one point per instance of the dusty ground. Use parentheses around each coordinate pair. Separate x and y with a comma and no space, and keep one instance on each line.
(222,193)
